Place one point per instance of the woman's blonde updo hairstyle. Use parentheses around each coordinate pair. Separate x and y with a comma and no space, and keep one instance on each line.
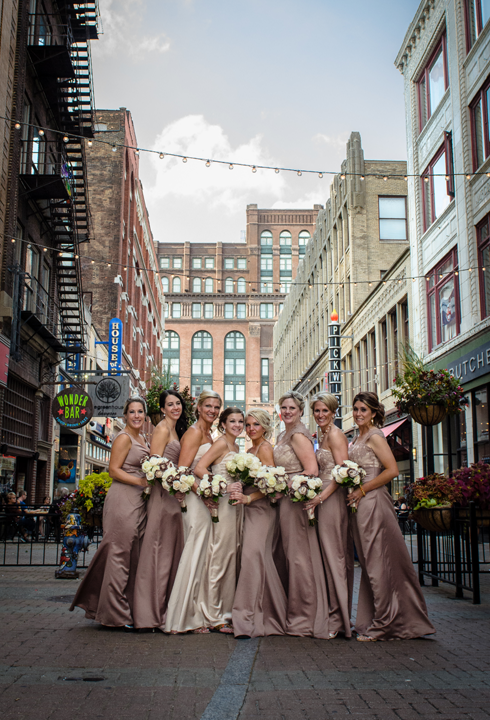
(296,397)
(205,395)
(263,418)
(327,399)
(372,401)
(135,398)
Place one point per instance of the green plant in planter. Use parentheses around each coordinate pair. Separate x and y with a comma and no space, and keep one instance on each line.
(433,491)
(160,381)
(419,386)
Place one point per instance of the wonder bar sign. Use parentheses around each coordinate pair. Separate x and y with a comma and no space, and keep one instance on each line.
(334,364)
(72,408)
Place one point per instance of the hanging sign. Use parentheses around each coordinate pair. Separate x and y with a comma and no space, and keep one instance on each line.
(334,361)
(115,345)
(72,408)
(108,394)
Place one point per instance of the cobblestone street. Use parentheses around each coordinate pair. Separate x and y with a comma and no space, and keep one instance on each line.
(56,664)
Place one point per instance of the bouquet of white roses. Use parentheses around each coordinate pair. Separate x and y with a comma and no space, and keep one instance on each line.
(304,488)
(349,475)
(213,487)
(178,480)
(154,467)
(244,467)
(272,482)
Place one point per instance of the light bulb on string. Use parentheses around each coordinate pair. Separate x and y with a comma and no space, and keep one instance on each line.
(184,159)
(276,170)
(320,175)
(385,178)
(468,177)
(299,173)
(208,163)
(114,148)
(342,177)
(41,132)
(66,139)
(137,152)
(254,169)
(89,143)
(230,166)
(161,156)
(17,126)
(362,177)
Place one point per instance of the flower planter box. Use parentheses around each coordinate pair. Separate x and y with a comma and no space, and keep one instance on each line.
(438,519)
(428,414)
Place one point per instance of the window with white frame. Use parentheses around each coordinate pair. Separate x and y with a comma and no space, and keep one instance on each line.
(196,285)
(209,285)
(176,285)
(165,284)
(208,311)
(228,263)
(209,263)
(164,263)
(196,263)
(229,285)
(241,285)
(177,263)
(241,311)
(392,218)
(176,310)
(266,263)
(196,310)
(228,311)
(267,311)
(241,263)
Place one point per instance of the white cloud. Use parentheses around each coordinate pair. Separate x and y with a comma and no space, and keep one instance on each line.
(337,143)
(217,185)
(121,20)
(315,197)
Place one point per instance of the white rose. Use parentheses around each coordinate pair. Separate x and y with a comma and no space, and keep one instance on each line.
(271,482)
(150,475)
(343,472)
(357,480)
(311,494)
(350,464)
(146,466)
(312,483)
(296,484)
(155,461)
(205,483)
(297,495)
(303,490)
(280,470)
(176,485)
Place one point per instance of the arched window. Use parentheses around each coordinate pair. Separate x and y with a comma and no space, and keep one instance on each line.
(165,284)
(229,285)
(303,239)
(235,378)
(209,285)
(285,240)
(176,285)
(241,285)
(201,362)
(266,239)
(196,285)
(171,355)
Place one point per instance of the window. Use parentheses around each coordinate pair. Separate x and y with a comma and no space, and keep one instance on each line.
(176,310)
(286,265)
(164,263)
(241,263)
(241,311)
(483,238)
(443,300)
(174,365)
(303,240)
(228,311)
(235,369)
(229,285)
(208,311)
(196,310)
(38,152)
(209,263)
(165,284)
(266,241)
(266,264)
(285,287)
(209,285)
(264,380)
(281,306)
(392,218)
(229,263)
(196,263)
(480,422)
(241,285)
(285,242)
(438,184)
(176,285)
(196,285)
(433,82)
(171,341)
(266,311)
(265,285)
(480,128)
(177,263)
(477,16)
(201,362)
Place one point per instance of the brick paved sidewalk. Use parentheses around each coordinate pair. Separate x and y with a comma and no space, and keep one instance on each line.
(55,664)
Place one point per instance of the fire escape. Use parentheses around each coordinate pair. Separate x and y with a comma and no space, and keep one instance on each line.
(59,50)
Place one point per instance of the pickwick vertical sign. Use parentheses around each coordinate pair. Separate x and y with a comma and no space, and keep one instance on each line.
(72,408)
(115,346)
(334,370)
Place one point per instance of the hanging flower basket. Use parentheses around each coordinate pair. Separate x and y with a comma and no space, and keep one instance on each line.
(436,519)
(428,414)
(155,418)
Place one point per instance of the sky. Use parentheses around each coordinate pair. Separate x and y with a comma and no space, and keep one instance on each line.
(266,82)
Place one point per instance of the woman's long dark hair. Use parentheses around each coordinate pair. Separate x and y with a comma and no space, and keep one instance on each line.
(181,424)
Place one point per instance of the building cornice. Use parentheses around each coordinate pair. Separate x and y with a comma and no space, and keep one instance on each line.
(414,33)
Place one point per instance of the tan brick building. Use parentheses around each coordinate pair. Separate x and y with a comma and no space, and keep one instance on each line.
(359,236)
(224,300)
(123,280)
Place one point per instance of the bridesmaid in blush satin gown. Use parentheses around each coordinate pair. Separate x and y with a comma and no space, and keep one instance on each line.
(307,611)
(187,604)
(107,589)
(164,535)
(260,601)
(391,604)
(224,544)
(333,519)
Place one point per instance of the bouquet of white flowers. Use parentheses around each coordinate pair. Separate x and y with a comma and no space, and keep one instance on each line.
(244,467)
(154,467)
(272,482)
(349,475)
(304,488)
(178,480)
(214,487)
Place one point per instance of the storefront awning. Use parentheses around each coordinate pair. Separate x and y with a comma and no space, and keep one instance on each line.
(391,428)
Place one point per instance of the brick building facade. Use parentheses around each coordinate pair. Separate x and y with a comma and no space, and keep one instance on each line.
(119,267)
(224,300)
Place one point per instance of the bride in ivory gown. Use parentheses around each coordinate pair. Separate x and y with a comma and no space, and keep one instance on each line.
(221,560)
(188,601)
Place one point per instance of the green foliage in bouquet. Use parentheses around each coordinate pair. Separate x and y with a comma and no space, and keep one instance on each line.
(417,385)
(162,380)
(433,491)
